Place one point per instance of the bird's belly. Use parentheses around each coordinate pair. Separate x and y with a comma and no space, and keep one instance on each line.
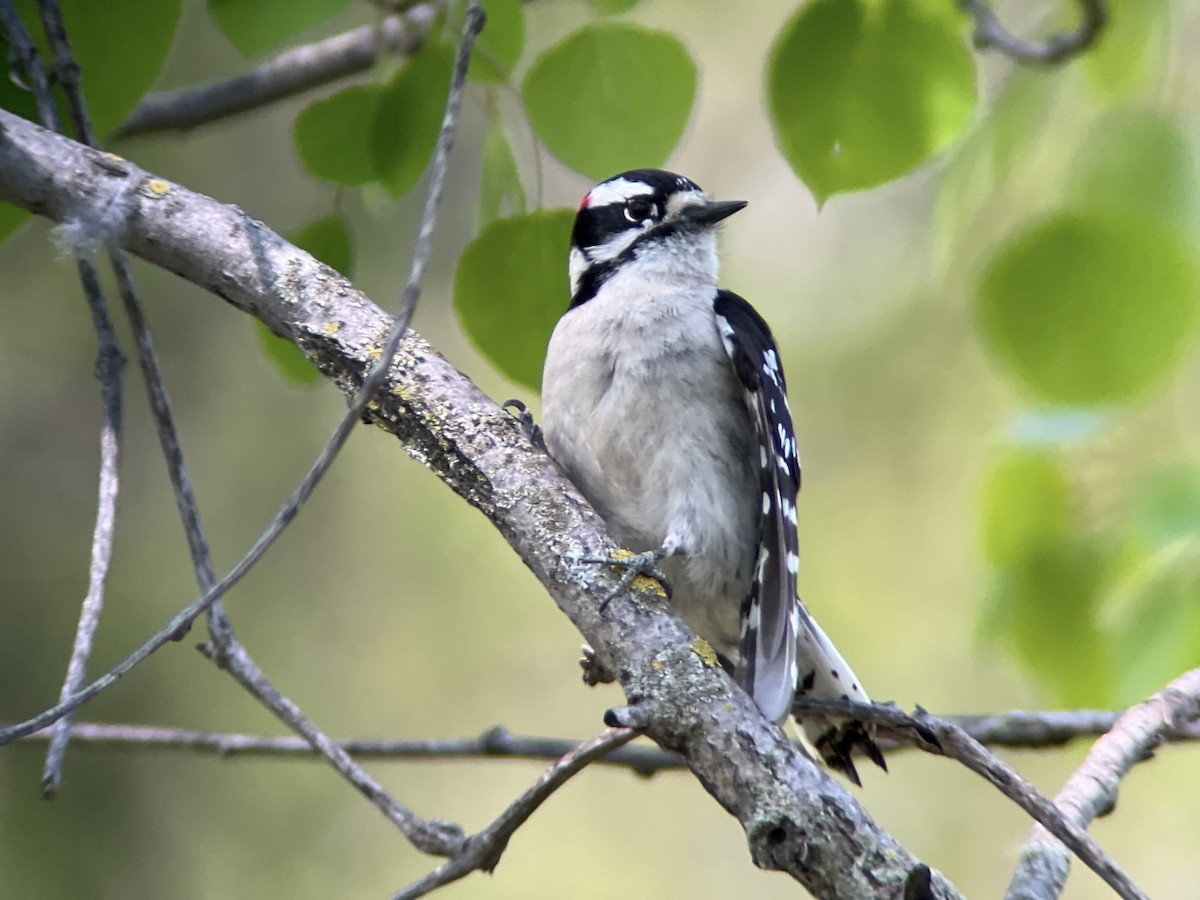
(661,472)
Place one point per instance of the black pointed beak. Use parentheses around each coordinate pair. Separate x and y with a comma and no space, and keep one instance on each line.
(712,212)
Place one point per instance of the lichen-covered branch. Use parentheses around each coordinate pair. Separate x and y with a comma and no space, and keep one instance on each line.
(795,817)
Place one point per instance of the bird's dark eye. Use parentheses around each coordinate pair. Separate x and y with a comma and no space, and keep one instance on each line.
(639,209)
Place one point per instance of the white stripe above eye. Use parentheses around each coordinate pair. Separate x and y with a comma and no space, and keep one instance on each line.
(617,191)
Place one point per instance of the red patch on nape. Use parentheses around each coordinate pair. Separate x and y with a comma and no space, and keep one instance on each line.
(583,204)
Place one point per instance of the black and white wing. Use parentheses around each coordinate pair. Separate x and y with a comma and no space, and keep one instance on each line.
(783,650)
(770,613)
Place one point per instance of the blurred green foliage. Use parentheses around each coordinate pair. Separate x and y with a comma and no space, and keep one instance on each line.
(991,353)
(511,324)
(253,27)
(120,70)
(864,92)
(609,94)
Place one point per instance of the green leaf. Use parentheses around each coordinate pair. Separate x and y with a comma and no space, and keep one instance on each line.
(499,47)
(501,178)
(995,151)
(1157,634)
(408,118)
(611,97)
(1026,507)
(861,93)
(286,357)
(1137,163)
(1089,310)
(1134,47)
(511,289)
(1053,595)
(1167,508)
(333,136)
(328,240)
(120,47)
(613,7)
(253,26)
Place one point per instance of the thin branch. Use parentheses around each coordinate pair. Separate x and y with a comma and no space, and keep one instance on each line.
(495,743)
(25,60)
(944,738)
(1034,730)
(796,819)
(439,838)
(1092,790)
(374,379)
(1015,730)
(108,367)
(67,71)
(292,72)
(990,33)
(109,363)
(434,837)
(482,851)
(224,647)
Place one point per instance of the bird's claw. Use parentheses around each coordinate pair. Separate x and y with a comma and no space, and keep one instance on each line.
(634,564)
(524,418)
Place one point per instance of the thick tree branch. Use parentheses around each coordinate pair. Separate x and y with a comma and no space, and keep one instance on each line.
(990,33)
(1092,791)
(795,817)
(292,72)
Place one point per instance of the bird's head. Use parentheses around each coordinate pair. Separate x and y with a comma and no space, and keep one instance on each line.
(646,221)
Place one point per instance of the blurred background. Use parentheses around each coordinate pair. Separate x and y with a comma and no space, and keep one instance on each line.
(390,609)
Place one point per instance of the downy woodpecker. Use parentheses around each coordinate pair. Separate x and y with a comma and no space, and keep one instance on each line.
(664,401)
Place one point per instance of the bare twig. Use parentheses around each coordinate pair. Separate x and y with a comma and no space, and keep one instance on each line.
(25,61)
(947,739)
(1016,730)
(990,33)
(1092,791)
(370,385)
(1032,730)
(109,365)
(437,837)
(495,743)
(66,69)
(483,850)
(796,819)
(292,72)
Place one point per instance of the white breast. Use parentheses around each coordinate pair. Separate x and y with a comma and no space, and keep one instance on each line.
(642,409)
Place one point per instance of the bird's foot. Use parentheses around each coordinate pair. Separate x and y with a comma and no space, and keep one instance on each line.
(524,418)
(635,565)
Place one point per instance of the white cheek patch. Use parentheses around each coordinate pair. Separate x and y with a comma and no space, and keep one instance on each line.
(617,191)
(577,266)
